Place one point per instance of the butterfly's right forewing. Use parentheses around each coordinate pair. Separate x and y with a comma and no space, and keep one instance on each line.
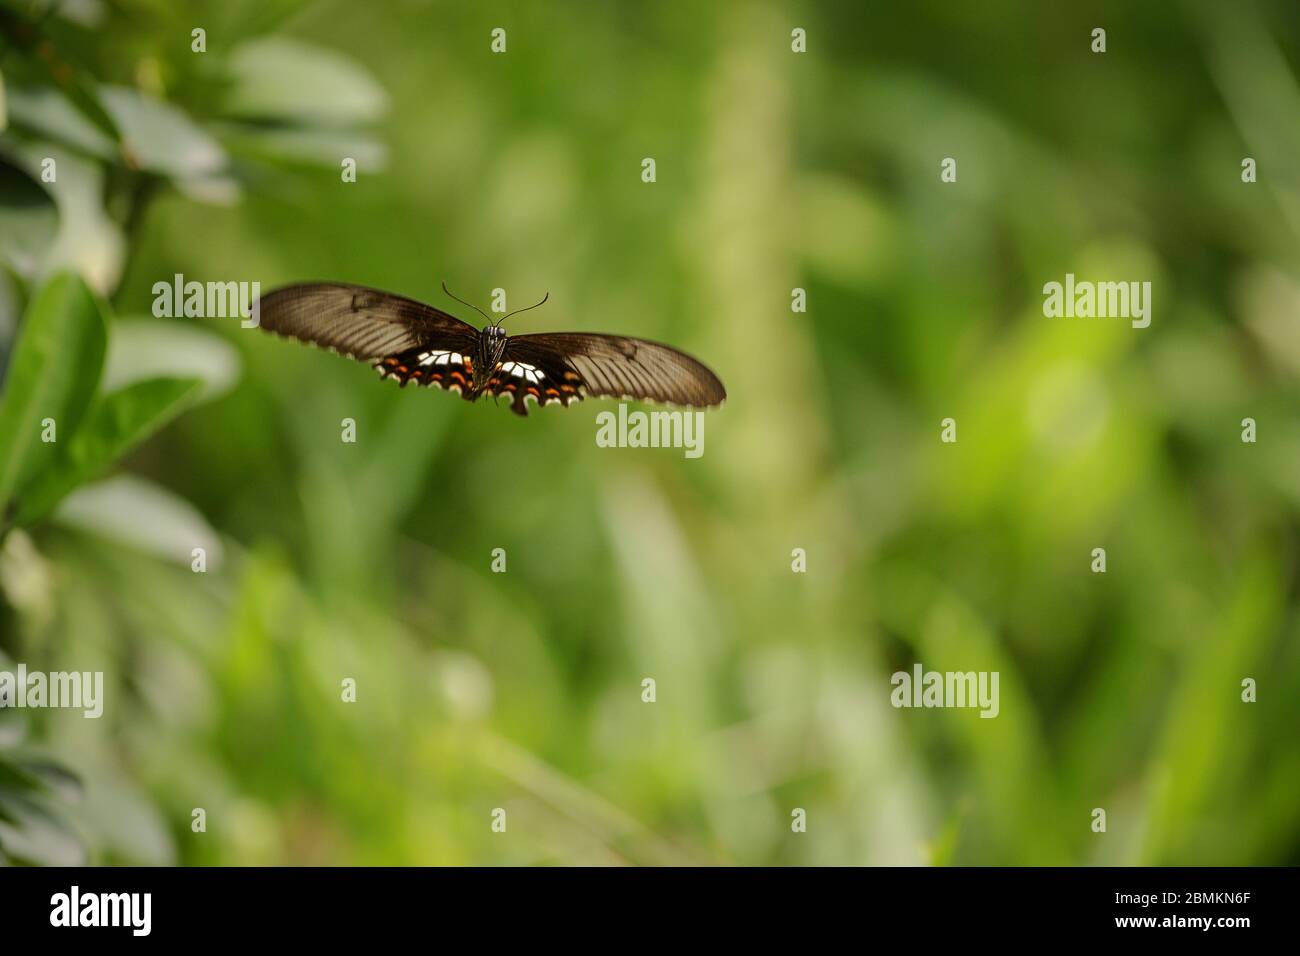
(616,366)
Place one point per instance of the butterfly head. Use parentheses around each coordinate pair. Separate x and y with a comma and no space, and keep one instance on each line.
(492,340)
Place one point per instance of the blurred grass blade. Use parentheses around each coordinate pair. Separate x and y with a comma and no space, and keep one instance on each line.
(1207,728)
(118,423)
(53,374)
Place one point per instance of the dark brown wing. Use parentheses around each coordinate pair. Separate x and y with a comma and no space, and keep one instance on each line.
(402,338)
(615,366)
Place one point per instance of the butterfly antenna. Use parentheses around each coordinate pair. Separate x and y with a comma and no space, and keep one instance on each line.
(471,305)
(517,311)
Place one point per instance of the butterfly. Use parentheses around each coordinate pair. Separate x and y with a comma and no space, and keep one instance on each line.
(413,342)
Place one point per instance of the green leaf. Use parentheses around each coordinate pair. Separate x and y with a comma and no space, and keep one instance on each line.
(161,138)
(308,146)
(76,84)
(279,79)
(39,835)
(144,516)
(52,776)
(53,373)
(14,778)
(119,422)
(12,728)
(82,93)
(143,348)
(149,133)
(28,220)
(89,242)
(51,115)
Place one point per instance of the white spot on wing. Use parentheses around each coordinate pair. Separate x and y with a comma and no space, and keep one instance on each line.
(529,373)
(441,358)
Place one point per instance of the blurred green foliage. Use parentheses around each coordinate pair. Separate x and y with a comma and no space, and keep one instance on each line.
(775,170)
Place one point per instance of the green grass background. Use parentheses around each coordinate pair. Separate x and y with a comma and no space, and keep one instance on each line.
(774,170)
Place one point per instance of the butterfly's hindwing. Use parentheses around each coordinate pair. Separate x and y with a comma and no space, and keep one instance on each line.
(544,381)
(451,370)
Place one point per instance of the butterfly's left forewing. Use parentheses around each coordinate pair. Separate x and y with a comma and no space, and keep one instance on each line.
(403,339)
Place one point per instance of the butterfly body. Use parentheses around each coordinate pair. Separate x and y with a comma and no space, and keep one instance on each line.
(491,349)
(411,341)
